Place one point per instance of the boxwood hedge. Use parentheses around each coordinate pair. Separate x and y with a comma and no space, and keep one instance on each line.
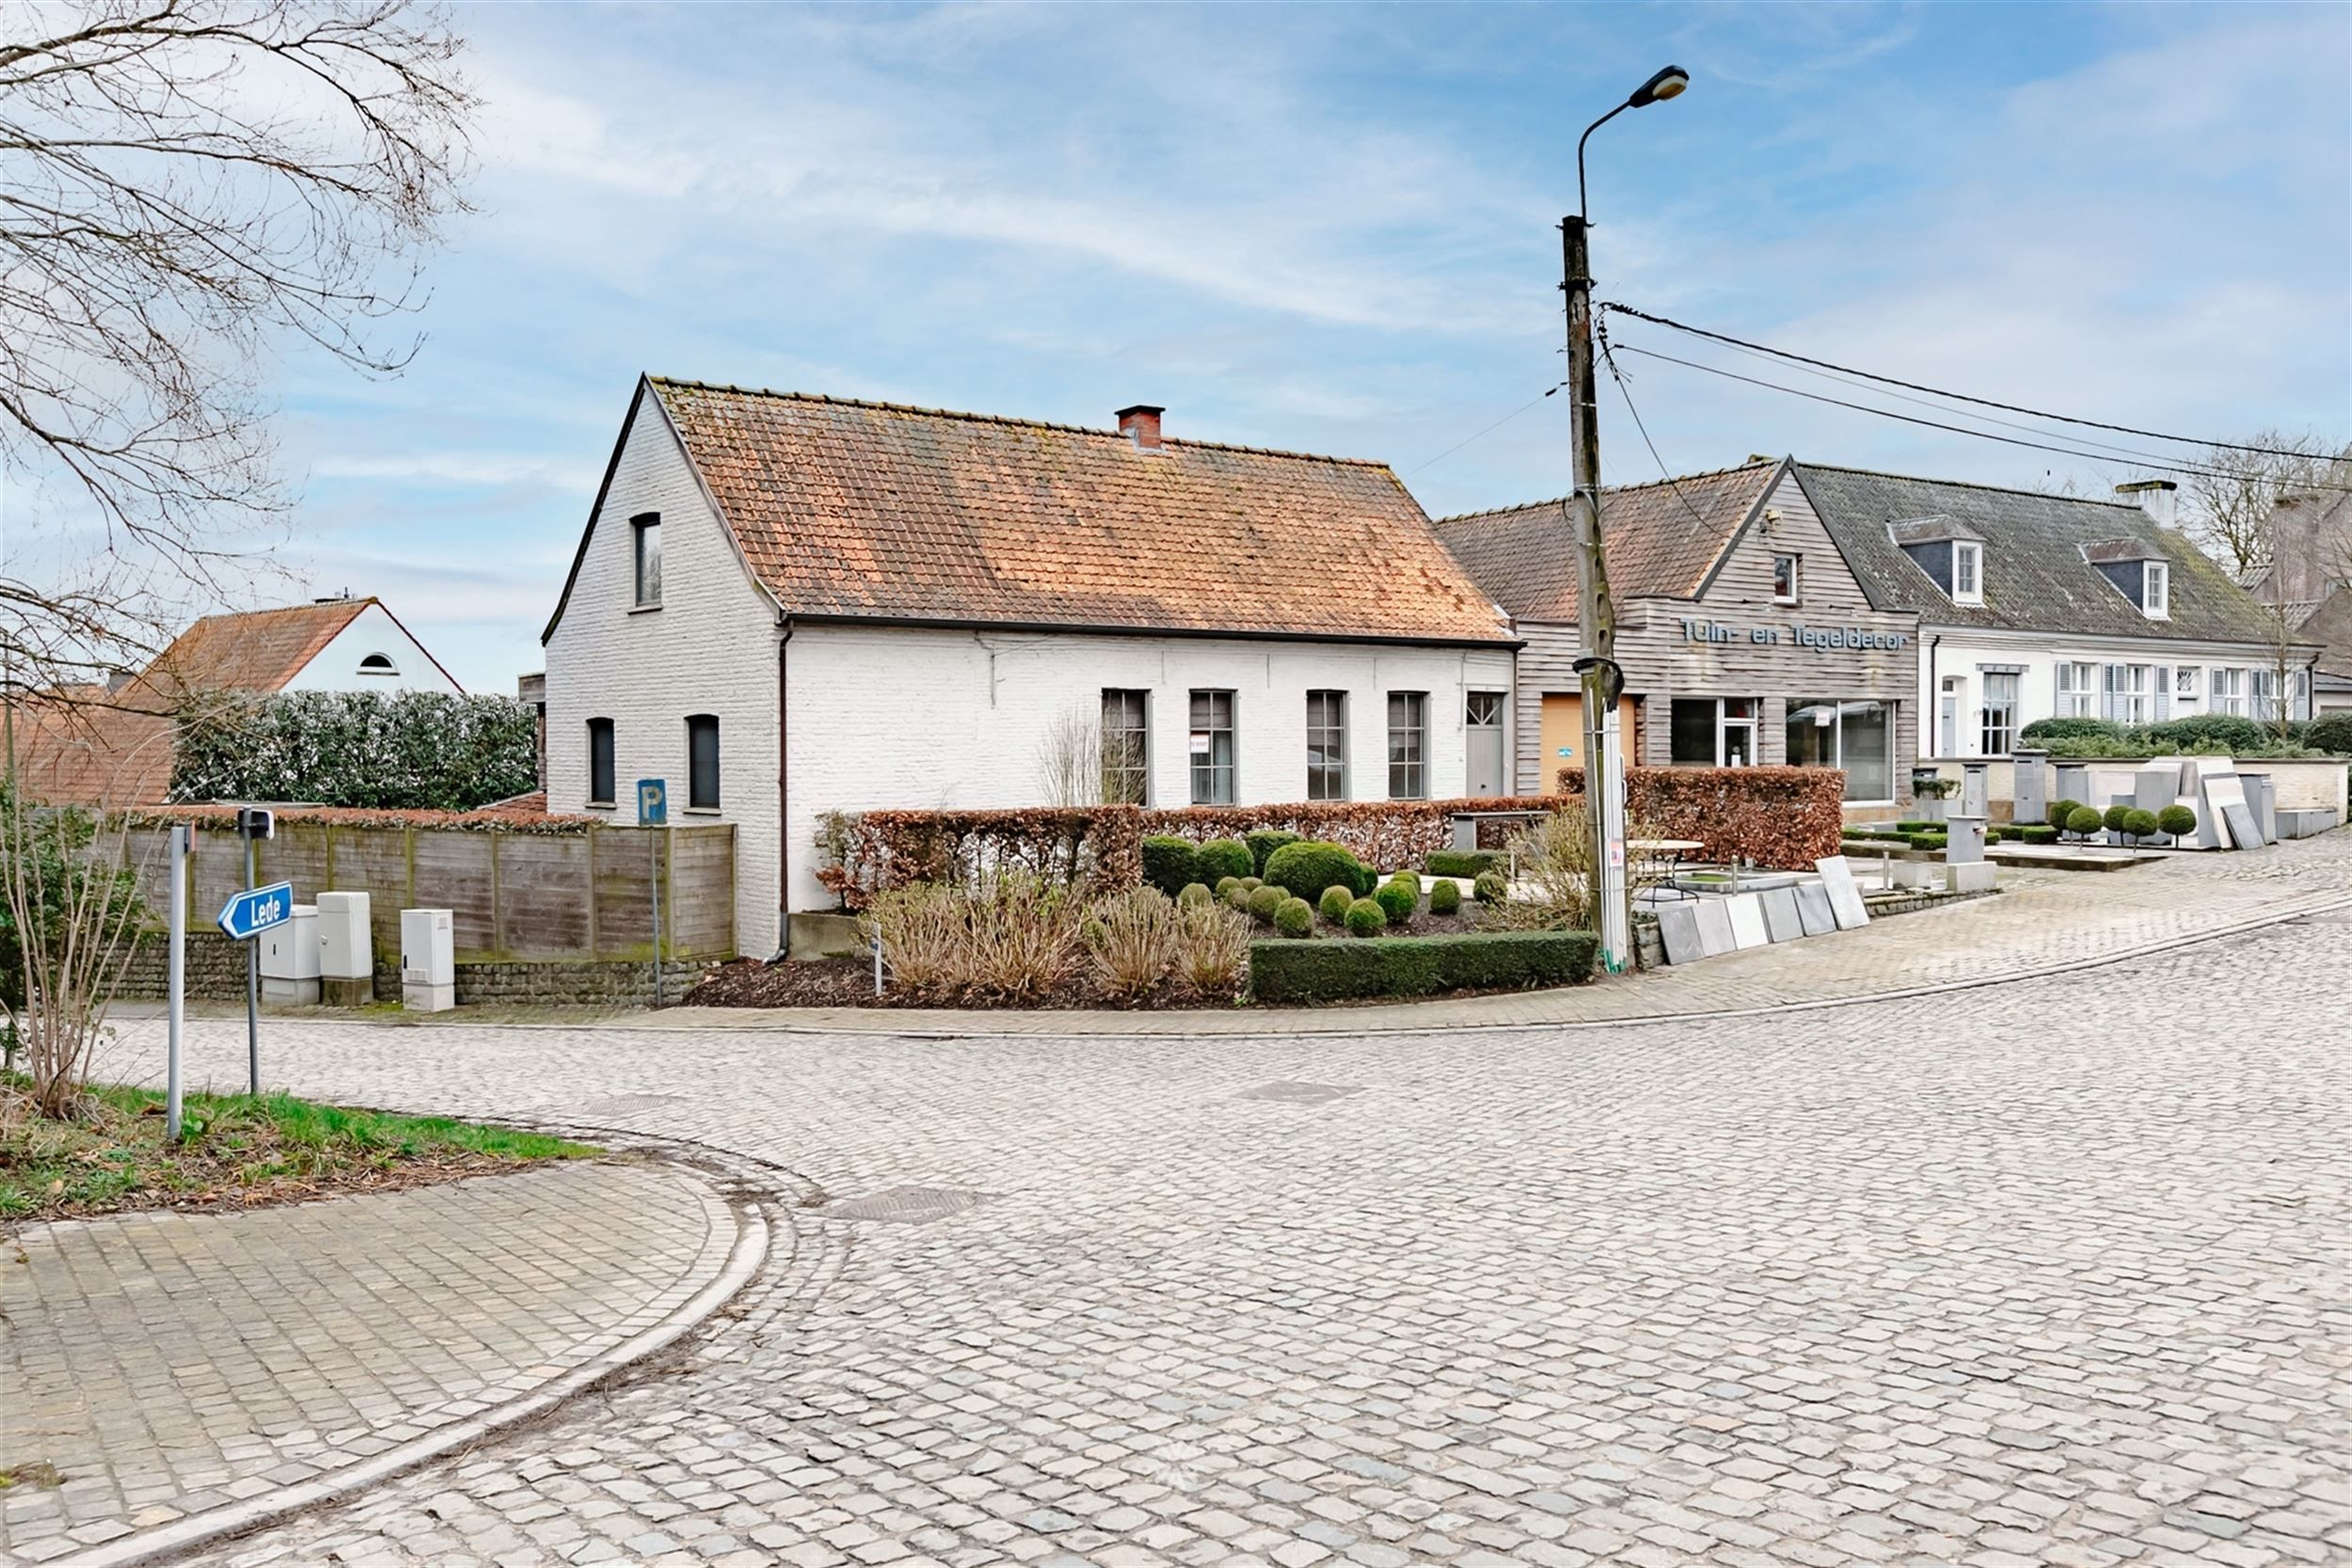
(1419,966)
(1462,862)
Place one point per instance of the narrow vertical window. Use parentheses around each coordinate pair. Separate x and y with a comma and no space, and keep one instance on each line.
(2155,597)
(702,762)
(1998,736)
(1326,745)
(645,548)
(1967,571)
(1784,579)
(1212,745)
(1408,745)
(599,761)
(1127,746)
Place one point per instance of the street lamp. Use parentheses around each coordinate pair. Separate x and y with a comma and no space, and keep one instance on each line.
(1602,681)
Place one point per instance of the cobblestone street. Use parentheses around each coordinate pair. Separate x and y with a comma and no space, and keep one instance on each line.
(2050,1272)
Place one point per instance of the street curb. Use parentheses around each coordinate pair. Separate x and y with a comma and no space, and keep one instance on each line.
(212,1525)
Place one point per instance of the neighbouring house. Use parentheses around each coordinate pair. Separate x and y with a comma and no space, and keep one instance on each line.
(2034,605)
(787,604)
(1743,637)
(113,745)
(2308,581)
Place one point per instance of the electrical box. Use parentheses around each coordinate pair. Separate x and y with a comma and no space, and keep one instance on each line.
(346,946)
(290,959)
(428,960)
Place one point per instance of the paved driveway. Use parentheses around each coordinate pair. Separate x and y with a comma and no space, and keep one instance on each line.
(2045,1273)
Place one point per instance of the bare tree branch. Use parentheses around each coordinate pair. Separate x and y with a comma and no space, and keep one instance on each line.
(2229,510)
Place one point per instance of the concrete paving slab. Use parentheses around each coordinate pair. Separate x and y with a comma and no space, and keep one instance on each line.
(1781,921)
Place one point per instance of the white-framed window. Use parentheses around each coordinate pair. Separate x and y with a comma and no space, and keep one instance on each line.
(2187,681)
(2128,691)
(1712,732)
(645,558)
(1127,746)
(1788,578)
(1967,571)
(2265,694)
(1212,743)
(2229,691)
(1947,702)
(1326,745)
(1999,726)
(2155,590)
(1857,734)
(2077,689)
(2302,694)
(378,664)
(1408,745)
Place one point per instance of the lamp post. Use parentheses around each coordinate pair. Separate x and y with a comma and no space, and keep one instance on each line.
(1602,681)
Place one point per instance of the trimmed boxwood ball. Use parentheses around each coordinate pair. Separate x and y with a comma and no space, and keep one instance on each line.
(1237,896)
(1335,902)
(1294,918)
(2114,816)
(1366,918)
(1253,883)
(2062,811)
(1461,863)
(1225,886)
(1170,863)
(2176,820)
(1445,897)
(1196,893)
(1398,900)
(1264,842)
(1226,857)
(2082,820)
(1491,887)
(2138,823)
(1264,901)
(1309,866)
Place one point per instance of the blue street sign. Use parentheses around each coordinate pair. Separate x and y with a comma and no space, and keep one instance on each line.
(653,802)
(256,910)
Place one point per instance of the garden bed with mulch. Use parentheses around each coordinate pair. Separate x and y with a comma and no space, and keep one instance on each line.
(237,1151)
(849,983)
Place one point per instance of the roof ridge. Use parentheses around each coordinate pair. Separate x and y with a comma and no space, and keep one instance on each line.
(1971,485)
(1609,490)
(1012,421)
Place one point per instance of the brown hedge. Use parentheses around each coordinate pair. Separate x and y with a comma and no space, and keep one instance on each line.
(1783,818)
(1100,846)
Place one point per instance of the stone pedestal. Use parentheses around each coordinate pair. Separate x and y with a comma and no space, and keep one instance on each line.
(2074,782)
(1973,789)
(1977,878)
(1963,843)
(2029,797)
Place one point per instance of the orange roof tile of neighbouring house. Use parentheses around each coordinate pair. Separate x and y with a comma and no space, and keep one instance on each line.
(874,510)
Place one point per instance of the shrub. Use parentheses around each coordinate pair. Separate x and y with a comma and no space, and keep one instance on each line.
(1196,893)
(1335,902)
(2176,820)
(1398,900)
(1237,895)
(426,751)
(1786,817)
(1264,901)
(2227,732)
(1213,945)
(1264,842)
(1927,840)
(1491,887)
(1170,862)
(1025,935)
(2139,824)
(1294,918)
(1445,897)
(2038,832)
(2082,820)
(1131,941)
(2330,732)
(1419,966)
(925,938)
(1366,918)
(1554,858)
(2114,817)
(1253,883)
(2071,729)
(1225,886)
(1921,826)
(2062,811)
(1462,862)
(1226,857)
(1306,869)
(1097,846)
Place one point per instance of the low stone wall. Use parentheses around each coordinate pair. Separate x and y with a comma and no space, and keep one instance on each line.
(2300,783)
(215,973)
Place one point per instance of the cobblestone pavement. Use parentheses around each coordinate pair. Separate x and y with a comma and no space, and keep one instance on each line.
(171,1364)
(2043,1272)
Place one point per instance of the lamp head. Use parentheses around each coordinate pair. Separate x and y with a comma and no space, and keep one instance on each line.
(1668,83)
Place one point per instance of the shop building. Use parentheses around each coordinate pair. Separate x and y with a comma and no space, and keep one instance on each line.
(2031,606)
(1743,637)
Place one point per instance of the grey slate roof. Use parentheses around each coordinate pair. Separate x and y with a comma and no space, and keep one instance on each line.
(2035,576)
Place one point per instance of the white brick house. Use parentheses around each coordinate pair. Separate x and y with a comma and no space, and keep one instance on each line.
(859,606)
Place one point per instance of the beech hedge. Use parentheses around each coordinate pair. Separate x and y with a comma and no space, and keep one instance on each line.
(1782,817)
(1306,972)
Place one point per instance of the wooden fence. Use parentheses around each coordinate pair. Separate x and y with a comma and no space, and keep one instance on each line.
(579,895)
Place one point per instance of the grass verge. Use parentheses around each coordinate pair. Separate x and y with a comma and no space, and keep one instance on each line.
(237,1151)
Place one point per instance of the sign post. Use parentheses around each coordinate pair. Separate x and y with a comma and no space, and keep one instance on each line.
(175,990)
(653,810)
(253,825)
(243,918)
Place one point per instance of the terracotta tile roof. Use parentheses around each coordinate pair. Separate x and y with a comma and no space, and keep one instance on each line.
(257,650)
(850,508)
(1661,541)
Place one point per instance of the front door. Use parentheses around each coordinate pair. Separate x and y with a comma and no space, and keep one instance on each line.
(1483,724)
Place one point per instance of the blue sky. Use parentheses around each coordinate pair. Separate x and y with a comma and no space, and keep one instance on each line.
(1331,229)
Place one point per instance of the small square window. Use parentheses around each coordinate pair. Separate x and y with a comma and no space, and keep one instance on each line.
(1784,579)
(646,553)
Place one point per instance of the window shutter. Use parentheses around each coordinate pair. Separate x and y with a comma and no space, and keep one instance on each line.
(2164,692)
(2110,678)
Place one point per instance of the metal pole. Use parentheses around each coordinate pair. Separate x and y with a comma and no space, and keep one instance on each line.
(1596,615)
(252,978)
(175,991)
(653,861)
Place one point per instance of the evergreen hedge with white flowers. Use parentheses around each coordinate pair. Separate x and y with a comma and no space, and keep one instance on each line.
(416,750)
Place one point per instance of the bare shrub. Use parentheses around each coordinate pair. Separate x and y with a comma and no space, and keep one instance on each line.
(926,936)
(70,918)
(1069,761)
(1131,941)
(1213,947)
(1025,935)
(1552,862)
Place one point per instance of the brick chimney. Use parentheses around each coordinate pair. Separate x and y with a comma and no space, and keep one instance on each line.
(2155,497)
(1140,423)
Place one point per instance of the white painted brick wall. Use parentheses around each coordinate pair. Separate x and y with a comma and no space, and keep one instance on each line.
(1962,651)
(711,648)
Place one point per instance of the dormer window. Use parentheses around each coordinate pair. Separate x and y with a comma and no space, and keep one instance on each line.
(1967,571)
(2155,590)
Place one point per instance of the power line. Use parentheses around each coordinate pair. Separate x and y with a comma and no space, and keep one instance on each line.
(1938,425)
(1619,376)
(1488,431)
(1937,391)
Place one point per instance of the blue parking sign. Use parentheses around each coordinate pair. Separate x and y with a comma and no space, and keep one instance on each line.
(653,802)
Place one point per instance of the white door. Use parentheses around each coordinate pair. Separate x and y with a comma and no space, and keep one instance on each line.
(1482,720)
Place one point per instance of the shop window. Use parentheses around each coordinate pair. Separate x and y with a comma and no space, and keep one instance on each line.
(1212,744)
(1853,733)
(1784,579)
(1326,745)
(1998,729)
(1712,732)
(1408,745)
(1693,740)
(1127,746)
